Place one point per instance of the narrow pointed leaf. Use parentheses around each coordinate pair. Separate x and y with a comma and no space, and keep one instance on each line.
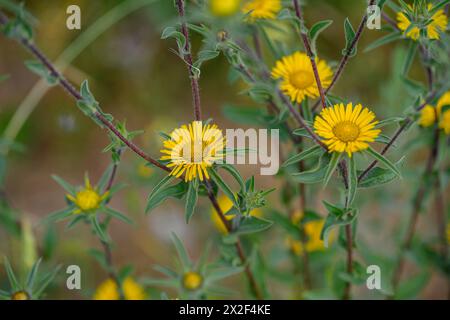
(352,181)
(384,161)
(11,276)
(117,215)
(191,200)
(154,198)
(223,186)
(181,250)
(336,156)
(32,275)
(302,156)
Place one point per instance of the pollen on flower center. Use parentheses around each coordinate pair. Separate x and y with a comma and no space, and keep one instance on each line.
(346,131)
(88,199)
(302,79)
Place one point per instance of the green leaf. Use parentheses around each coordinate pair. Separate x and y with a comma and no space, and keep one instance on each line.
(252,224)
(158,194)
(66,186)
(438,6)
(349,37)
(284,222)
(49,242)
(176,191)
(410,288)
(336,217)
(58,215)
(384,40)
(412,49)
(181,251)
(115,214)
(389,121)
(15,286)
(335,157)
(315,30)
(235,173)
(302,156)
(191,199)
(172,32)
(102,183)
(39,69)
(314,175)
(352,181)
(222,273)
(46,280)
(32,275)
(205,55)
(223,186)
(384,161)
(378,176)
(98,229)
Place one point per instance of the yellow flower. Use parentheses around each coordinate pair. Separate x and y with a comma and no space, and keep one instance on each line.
(345,129)
(20,295)
(430,115)
(192,280)
(193,149)
(312,230)
(297,76)
(445,122)
(224,8)
(262,9)
(87,199)
(427,116)
(108,290)
(438,24)
(225,204)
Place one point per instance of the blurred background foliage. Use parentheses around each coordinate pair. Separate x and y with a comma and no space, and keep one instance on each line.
(136,77)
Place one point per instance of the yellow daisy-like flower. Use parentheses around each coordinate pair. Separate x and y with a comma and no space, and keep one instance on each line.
(87,199)
(20,295)
(224,8)
(297,76)
(438,24)
(225,204)
(430,115)
(345,129)
(427,116)
(312,230)
(192,280)
(131,290)
(262,9)
(193,149)
(444,124)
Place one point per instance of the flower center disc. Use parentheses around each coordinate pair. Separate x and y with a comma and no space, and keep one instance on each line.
(346,131)
(302,79)
(87,200)
(193,152)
